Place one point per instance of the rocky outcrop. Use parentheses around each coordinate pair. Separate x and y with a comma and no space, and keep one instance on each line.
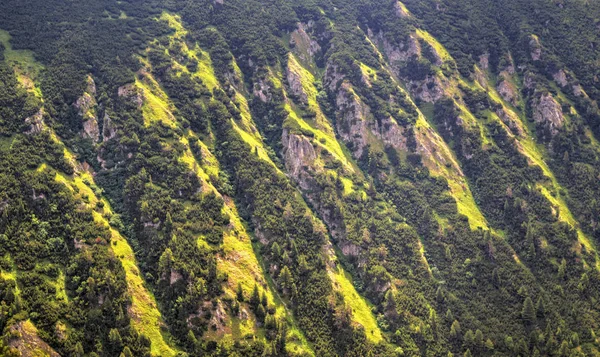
(295,83)
(302,44)
(28,342)
(262,90)
(86,108)
(131,93)
(396,55)
(484,61)
(560,77)
(108,129)
(511,120)
(298,153)
(508,92)
(429,90)
(535,48)
(547,112)
(333,77)
(36,122)
(351,121)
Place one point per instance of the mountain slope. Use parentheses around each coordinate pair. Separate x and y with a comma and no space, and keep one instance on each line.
(329,178)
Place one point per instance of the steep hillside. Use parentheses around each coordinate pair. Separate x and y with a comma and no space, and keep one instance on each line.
(306,178)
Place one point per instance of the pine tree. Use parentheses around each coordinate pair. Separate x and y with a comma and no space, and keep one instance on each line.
(449,315)
(540,308)
(168,224)
(240,293)
(285,278)
(79,352)
(255,298)
(468,353)
(260,313)
(469,339)
(478,338)
(455,331)
(528,312)
(115,341)
(126,352)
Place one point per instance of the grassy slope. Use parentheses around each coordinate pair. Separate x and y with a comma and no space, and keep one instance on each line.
(144,312)
(325,138)
(238,259)
(536,155)
(437,155)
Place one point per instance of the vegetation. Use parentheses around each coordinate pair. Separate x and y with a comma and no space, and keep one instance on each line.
(254,178)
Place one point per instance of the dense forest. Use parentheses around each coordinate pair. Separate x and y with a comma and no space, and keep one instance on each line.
(299,178)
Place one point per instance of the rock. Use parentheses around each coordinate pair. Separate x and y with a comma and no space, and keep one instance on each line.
(511,120)
(429,90)
(351,121)
(91,130)
(108,129)
(132,93)
(298,152)
(398,54)
(484,61)
(295,83)
(508,92)
(86,108)
(332,78)
(578,91)
(401,10)
(304,46)
(36,122)
(262,90)
(174,277)
(547,112)
(560,78)
(535,48)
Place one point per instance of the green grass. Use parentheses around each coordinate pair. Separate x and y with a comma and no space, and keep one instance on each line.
(361,308)
(23,59)
(144,313)
(439,49)
(155,105)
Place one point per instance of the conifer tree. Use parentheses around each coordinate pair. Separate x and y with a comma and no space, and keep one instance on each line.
(528,312)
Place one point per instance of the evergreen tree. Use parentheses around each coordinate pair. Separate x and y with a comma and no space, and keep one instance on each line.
(528,312)
(239,293)
(255,297)
(540,308)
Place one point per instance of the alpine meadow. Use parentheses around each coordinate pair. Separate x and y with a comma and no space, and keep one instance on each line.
(299,178)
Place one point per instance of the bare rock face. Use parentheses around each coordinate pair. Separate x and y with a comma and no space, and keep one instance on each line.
(429,90)
(262,90)
(535,48)
(304,46)
(578,91)
(91,130)
(547,112)
(560,78)
(401,10)
(397,54)
(132,93)
(86,107)
(508,92)
(511,120)
(36,122)
(108,129)
(352,125)
(296,88)
(298,152)
(333,77)
(484,61)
